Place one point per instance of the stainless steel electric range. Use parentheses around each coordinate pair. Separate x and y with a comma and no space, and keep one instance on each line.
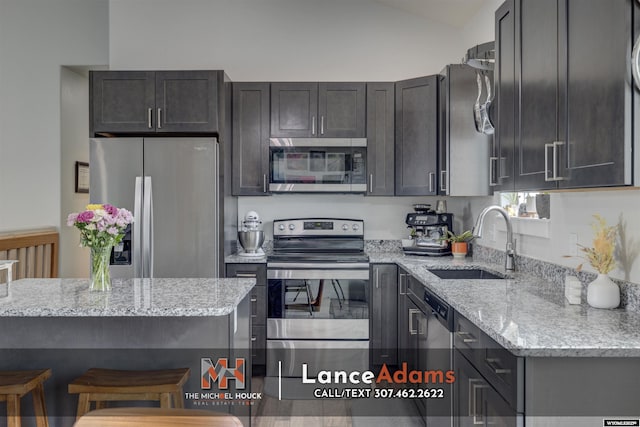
(318,295)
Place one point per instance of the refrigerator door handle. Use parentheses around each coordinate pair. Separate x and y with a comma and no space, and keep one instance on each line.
(147,254)
(137,228)
(216,195)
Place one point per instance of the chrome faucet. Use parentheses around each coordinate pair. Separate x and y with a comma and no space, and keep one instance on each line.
(509,262)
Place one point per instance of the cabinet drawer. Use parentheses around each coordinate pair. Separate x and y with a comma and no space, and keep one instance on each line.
(252,271)
(500,367)
(466,336)
(258,344)
(259,305)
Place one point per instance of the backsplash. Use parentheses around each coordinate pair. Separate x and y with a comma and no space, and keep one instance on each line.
(555,274)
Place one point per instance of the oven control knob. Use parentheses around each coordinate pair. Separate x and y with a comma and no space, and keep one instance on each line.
(292,227)
(345,227)
(281,227)
(355,227)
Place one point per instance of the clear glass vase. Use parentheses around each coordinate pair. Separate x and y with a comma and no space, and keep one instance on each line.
(100,277)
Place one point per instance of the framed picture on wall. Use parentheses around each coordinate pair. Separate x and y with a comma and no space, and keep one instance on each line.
(82,177)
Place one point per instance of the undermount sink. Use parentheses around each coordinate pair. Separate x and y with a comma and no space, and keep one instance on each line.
(474,273)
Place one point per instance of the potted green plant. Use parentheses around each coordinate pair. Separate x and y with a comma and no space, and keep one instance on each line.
(459,242)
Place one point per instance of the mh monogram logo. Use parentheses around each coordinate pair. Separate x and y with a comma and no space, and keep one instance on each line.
(221,373)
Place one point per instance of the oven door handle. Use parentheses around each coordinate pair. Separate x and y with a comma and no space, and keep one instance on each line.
(324,273)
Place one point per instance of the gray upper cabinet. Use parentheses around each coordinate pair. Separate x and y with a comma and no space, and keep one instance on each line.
(341,107)
(380,139)
(417,137)
(311,110)
(596,124)
(294,110)
(537,68)
(250,139)
(186,101)
(123,102)
(501,160)
(573,123)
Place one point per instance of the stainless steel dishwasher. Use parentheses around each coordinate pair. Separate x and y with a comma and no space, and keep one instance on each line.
(434,348)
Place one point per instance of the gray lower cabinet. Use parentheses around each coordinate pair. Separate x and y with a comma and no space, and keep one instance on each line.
(384,314)
(258,306)
(123,102)
(311,110)
(380,139)
(573,118)
(488,389)
(250,173)
(417,137)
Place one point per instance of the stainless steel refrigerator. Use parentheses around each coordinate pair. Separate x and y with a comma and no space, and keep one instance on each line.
(172,186)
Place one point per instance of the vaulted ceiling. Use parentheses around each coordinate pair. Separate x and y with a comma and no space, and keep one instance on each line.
(451,12)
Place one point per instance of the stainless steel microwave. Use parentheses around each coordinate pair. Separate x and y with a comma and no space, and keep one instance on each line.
(308,165)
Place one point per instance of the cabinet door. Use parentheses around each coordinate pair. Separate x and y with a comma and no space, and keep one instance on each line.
(417,136)
(258,306)
(250,139)
(380,139)
(469,388)
(537,68)
(122,101)
(187,101)
(403,322)
(384,314)
(596,124)
(294,110)
(501,159)
(341,107)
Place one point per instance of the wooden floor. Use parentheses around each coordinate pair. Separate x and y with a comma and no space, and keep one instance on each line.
(271,412)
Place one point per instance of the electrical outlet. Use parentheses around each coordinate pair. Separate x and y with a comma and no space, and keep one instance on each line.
(573,244)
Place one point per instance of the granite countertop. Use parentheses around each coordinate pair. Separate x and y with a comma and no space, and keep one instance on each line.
(239,259)
(134,297)
(526,314)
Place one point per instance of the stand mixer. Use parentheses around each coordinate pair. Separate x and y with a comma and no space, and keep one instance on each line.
(251,235)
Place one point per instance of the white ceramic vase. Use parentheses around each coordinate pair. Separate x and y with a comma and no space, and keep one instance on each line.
(603,293)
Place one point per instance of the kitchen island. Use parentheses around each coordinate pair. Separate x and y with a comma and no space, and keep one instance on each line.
(141,324)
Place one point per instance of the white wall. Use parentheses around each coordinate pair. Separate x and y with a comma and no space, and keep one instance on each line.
(280,40)
(384,216)
(36,38)
(74,128)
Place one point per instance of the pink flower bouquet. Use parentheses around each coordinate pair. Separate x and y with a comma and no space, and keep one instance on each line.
(100,225)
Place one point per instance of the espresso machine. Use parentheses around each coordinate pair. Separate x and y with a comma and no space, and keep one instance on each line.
(427,230)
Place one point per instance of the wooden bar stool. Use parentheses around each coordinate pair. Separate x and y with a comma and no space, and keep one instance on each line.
(156,417)
(103,385)
(15,384)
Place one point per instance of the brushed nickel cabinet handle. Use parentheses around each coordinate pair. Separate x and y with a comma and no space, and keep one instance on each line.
(546,162)
(370,183)
(492,171)
(493,364)
(159,118)
(443,180)
(149,119)
(403,279)
(321,125)
(313,125)
(412,311)
(246,275)
(264,183)
(635,63)
(432,179)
